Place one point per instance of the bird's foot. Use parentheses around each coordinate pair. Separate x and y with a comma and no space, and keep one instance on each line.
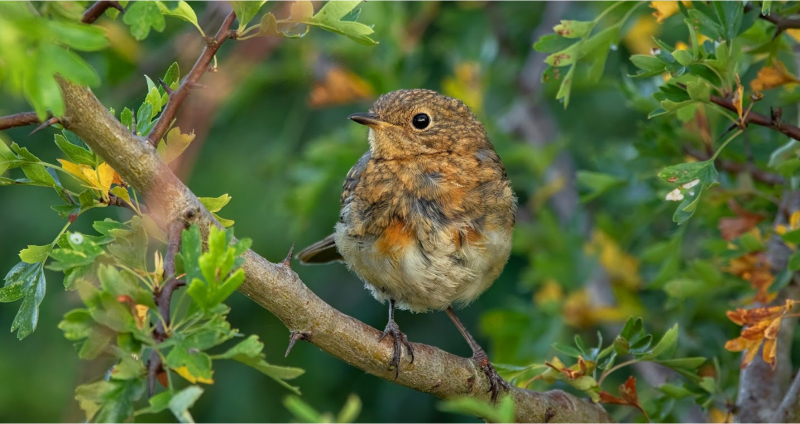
(495,381)
(399,338)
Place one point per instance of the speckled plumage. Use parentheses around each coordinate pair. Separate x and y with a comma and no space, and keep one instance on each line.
(427,215)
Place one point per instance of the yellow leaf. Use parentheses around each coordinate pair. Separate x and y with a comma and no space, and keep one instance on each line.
(639,39)
(75,170)
(174,144)
(105,175)
(141,315)
(738,98)
(794,33)
(184,372)
(772,76)
(665,9)
(551,291)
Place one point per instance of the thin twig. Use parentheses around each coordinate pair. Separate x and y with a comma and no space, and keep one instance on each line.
(191,81)
(97,10)
(18,120)
(163,299)
(781,23)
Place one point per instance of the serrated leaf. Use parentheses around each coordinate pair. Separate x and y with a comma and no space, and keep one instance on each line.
(69,65)
(141,16)
(182,401)
(25,281)
(34,254)
(215,204)
(330,18)
(573,29)
(109,401)
(249,353)
(174,144)
(75,153)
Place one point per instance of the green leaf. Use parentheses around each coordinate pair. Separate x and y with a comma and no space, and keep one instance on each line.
(552,43)
(249,353)
(567,350)
(75,153)
(197,363)
(182,401)
(574,29)
(683,57)
(126,117)
(70,66)
(647,63)
(794,261)
(182,11)
(330,18)
(95,343)
(350,410)
(25,281)
(502,412)
(78,36)
(109,401)
(667,343)
(171,78)
(729,15)
(682,363)
(34,254)
(191,249)
(141,16)
(158,403)
(765,7)
(245,11)
(699,90)
(33,170)
(791,236)
(303,411)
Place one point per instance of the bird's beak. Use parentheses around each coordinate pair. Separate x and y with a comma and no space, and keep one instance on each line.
(369,119)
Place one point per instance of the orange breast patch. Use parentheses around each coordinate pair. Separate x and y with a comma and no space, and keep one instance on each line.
(395,238)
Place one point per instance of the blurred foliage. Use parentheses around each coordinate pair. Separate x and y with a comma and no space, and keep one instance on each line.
(270,133)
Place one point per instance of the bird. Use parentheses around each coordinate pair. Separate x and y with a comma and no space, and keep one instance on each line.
(427,214)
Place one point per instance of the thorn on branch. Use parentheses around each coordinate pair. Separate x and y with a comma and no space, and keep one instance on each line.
(287,261)
(44,125)
(293,338)
(166,88)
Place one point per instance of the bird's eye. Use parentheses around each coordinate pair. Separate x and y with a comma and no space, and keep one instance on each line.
(421,121)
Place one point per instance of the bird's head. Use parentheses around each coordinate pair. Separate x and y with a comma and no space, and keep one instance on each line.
(407,123)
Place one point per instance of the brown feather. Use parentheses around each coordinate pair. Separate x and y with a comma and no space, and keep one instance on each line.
(321,252)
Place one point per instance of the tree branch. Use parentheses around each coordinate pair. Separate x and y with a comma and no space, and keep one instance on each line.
(279,289)
(192,78)
(763,395)
(781,23)
(18,120)
(93,13)
(773,123)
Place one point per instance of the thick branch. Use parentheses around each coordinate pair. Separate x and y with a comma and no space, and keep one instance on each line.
(736,167)
(192,78)
(279,289)
(18,120)
(93,13)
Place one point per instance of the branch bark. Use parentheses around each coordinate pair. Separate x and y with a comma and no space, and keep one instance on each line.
(18,120)
(192,78)
(96,10)
(279,289)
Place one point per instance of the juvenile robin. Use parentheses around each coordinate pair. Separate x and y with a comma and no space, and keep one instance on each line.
(427,213)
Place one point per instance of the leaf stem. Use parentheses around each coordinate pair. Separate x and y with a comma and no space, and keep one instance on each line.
(734,135)
(607,372)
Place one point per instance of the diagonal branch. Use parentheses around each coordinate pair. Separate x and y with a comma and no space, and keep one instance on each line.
(279,289)
(759,119)
(191,81)
(93,13)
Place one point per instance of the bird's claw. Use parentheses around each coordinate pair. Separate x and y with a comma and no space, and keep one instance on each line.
(495,381)
(399,339)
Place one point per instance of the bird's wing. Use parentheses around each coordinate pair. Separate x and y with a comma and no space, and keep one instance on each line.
(354,176)
(321,252)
